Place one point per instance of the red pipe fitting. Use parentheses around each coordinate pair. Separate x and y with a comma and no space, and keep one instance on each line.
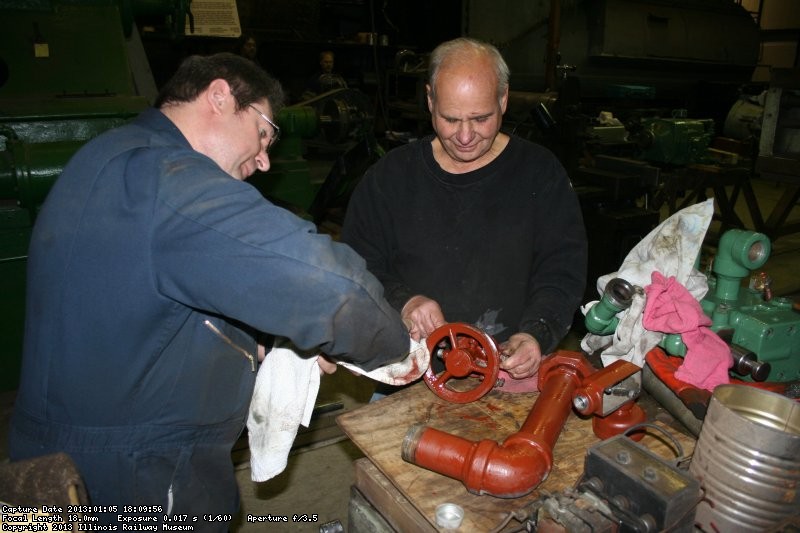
(524,460)
(593,388)
(621,415)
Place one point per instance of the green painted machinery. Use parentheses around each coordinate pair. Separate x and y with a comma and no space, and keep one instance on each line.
(338,122)
(676,140)
(762,330)
(69,70)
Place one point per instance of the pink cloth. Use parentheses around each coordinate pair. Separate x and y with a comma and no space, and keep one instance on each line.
(670,308)
(510,384)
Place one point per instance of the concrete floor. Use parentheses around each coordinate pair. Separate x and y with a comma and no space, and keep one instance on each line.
(320,472)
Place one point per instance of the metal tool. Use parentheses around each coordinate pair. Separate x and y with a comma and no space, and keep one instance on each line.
(624,487)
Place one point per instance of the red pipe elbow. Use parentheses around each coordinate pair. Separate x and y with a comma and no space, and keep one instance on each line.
(525,458)
(485,467)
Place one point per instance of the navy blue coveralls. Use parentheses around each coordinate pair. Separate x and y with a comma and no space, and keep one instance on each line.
(150,270)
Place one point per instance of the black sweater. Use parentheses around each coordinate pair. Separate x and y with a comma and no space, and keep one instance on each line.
(502,247)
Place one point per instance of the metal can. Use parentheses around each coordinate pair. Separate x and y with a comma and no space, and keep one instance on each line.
(747,460)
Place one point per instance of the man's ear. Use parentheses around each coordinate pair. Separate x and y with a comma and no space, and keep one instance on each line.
(218,94)
(504,102)
(428,96)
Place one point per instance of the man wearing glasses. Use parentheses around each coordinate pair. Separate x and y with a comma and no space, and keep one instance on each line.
(276,131)
(152,272)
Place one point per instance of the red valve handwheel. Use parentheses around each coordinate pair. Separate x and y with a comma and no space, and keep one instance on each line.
(466,352)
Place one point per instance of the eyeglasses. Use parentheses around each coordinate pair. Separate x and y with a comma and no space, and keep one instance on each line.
(276,131)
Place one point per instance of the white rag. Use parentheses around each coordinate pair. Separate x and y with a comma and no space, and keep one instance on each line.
(285,392)
(672,248)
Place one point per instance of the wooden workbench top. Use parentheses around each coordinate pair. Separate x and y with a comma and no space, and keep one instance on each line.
(378,430)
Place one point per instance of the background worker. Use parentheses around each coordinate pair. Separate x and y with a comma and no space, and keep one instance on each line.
(247,47)
(325,79)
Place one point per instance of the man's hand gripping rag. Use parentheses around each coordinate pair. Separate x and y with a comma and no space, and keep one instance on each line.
(403,372)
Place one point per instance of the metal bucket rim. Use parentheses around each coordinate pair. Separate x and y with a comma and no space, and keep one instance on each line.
(728,394)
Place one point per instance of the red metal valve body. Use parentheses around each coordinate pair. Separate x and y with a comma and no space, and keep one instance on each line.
(524,460)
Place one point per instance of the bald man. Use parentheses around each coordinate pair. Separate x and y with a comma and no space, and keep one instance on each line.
(474,225)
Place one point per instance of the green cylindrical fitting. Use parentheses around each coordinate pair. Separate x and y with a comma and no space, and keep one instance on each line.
(720,316)
(298,121)
(673,344)
(601,318)
(739,252)
(38,166)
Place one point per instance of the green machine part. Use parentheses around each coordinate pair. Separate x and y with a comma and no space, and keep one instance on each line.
(65,77)
(763,331)
(675,141)
(602,318)
(340,121)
